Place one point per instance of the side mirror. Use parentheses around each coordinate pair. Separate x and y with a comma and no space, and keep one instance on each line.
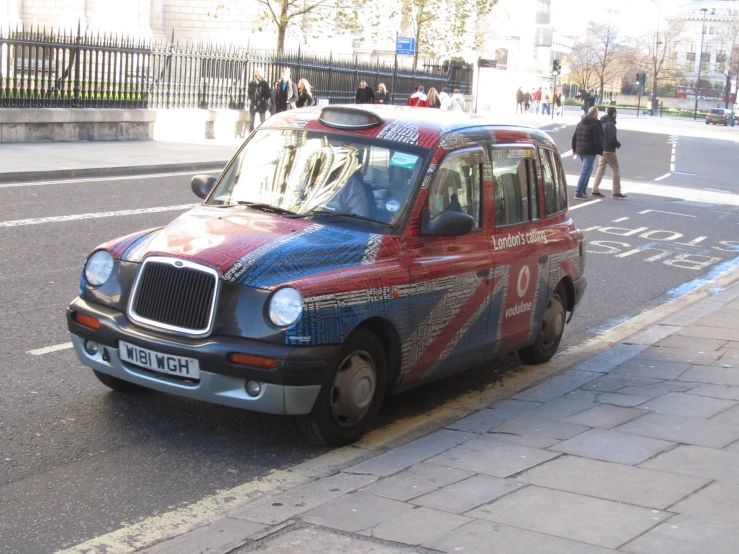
(201,185)
(446,224)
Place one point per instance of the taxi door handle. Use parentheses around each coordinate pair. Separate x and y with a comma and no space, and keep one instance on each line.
(483,273)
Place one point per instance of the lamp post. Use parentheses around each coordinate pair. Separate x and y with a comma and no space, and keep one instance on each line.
(700,63)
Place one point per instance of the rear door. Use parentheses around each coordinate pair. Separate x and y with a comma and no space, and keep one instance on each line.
(519,244)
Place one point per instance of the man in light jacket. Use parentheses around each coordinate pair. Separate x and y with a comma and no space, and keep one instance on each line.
(446,100)
(609,157)
(457,101)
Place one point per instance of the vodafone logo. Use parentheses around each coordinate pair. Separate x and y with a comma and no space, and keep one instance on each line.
(524,278)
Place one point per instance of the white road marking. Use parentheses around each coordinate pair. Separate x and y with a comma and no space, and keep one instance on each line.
(585,204)
(661,212)
(619,220)
(50,349)
(683,173)
(719,190)
(665,176)
(672,168)
(77,217)
(103,179)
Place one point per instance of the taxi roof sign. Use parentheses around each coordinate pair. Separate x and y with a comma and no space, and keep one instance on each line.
(348,118)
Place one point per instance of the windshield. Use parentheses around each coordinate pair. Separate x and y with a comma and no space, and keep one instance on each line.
(314,173)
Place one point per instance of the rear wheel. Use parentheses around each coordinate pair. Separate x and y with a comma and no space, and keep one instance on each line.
(118,385)
(346,409)
(550,333)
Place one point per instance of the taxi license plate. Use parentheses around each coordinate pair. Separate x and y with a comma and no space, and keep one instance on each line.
(179,366)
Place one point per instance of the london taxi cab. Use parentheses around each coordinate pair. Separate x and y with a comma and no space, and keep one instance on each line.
(343,254)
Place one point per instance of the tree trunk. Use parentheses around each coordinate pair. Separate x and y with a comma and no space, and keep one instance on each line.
(728,90)
(282,26)
(418,45)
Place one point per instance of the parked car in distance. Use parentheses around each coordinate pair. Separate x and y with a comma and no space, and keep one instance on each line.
(343,254)
(720,116)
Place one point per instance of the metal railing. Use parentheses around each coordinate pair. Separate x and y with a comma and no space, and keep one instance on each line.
(40,68)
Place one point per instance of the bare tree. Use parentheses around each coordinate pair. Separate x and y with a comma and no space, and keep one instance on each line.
(729,56)
(605,48)
(654,53)
(580,67)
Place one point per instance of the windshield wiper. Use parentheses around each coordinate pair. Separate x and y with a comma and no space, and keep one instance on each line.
(262,207)
(344,215)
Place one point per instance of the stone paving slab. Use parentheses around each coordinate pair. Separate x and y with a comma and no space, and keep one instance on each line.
(567,405)
(717,502)
(649,392)
(612,446)
(356,512)
(485,455)
(692,343)
(620,483)
(716,391)
(651,369)
(688,405)
(220,537)
(699,331)
(727,359)
(528,425)
(711,433)
(654,334)
(673,386)
(320,541)
(571,516)
(532,441)
(419,525)
(679,355)
(416,451)
(623,400)
(687,535)
(605,416)
(465,495)
(556,386)
(416,481)
(726,319)
(486,537)
(712,375)
(500,412)
(693,313)
(275,509)
(611,358)
(730,416)
(698,461)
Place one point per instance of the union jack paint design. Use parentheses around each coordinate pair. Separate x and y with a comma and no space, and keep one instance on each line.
(451,301)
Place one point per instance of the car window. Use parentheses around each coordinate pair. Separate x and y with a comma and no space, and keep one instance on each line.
(555,184)
(717,111)
(457,185)
(309,171)
(514,180)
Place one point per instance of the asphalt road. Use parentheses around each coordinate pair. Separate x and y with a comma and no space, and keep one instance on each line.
(77,461)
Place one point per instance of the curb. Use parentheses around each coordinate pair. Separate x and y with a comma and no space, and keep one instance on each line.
(24,176)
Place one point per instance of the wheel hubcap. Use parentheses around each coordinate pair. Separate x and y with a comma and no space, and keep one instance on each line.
(553,322)
(353,388)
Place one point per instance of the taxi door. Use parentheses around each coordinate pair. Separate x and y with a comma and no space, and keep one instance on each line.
(519,246)
(451,275)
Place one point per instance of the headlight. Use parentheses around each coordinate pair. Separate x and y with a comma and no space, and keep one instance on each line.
(285,307)
(98,268)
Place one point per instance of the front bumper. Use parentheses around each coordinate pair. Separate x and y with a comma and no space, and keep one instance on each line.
(290,389)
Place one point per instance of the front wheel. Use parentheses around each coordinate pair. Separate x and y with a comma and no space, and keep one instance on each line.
(550,333)
(116,384)
(345,410)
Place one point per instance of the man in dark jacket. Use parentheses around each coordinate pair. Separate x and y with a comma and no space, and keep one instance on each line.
(365,94)
(587,142)
(609,157)
(259,97)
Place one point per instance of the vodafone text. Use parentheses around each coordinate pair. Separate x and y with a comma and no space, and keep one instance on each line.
(519,308)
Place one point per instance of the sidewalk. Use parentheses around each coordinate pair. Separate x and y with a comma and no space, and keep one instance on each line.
(635,450)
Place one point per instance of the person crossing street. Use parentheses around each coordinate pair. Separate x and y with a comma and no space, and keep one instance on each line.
(609,156)
(587,142)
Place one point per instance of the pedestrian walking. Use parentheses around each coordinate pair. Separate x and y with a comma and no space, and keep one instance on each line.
(526,101)
(609,156)
(457,102)
(419,99)
(559,102)
(273,98)
(519,100)
(537,101)
(305,94)
(259,97)
(381,95)
(287,92)
(433,99)
(587,142)
(365,94)
(546,104)
(446,100)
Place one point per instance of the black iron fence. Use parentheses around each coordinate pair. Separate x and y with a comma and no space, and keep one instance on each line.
(55,69)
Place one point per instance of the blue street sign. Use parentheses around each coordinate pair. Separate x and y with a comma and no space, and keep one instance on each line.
(405,46)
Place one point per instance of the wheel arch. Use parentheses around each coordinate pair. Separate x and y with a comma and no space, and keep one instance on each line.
(388,335)
(569,287)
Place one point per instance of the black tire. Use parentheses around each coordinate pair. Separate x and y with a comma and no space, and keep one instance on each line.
(116,384)
(328,423)
(550,333)
(706,122)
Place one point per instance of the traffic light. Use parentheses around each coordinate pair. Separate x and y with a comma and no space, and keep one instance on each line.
(638,79)
(555,67)
(644,79)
